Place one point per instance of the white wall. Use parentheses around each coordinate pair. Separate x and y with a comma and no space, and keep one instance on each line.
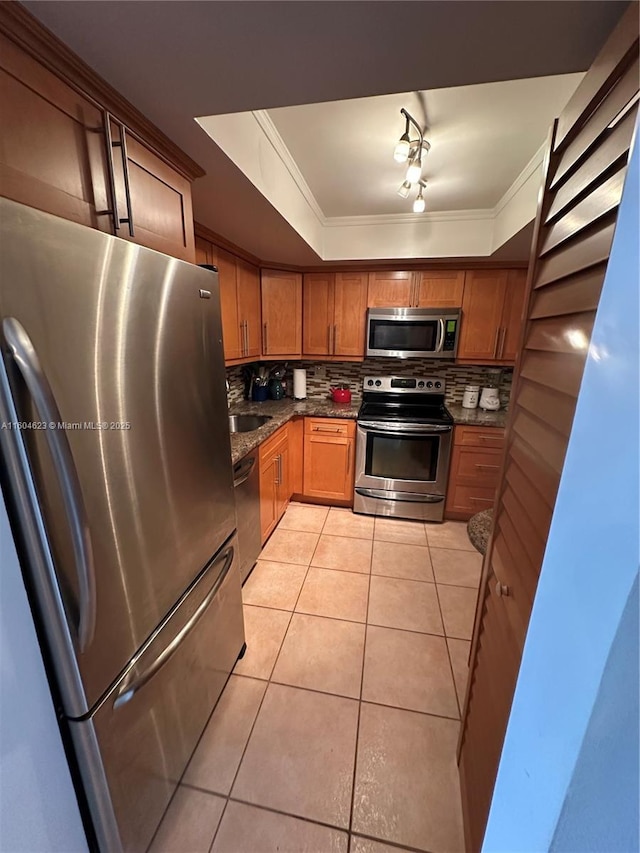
(568,776)
(38,807)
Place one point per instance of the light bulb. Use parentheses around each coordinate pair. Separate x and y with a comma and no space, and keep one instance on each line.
(419,204)
(401,151)
(403,189)
(414,170)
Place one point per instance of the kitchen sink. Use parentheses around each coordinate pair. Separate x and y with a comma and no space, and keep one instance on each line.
(247,423)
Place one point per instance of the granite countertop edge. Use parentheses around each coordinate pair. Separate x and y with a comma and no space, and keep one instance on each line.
(281,411)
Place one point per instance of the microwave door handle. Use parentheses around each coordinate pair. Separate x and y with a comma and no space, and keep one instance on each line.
(28,363)
(440,343)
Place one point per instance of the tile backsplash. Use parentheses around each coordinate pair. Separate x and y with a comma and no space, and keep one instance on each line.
(321,375)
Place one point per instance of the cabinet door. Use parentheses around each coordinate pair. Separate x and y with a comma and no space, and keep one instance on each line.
(249,308)
(512,314)
(53,152)
(350,313)
(203,249)
(317,314)
(328,467)
(390,289)
(296,454)
(231,336)
(439,289)
(268,501)
(159,198)
(482,303)
(281,314)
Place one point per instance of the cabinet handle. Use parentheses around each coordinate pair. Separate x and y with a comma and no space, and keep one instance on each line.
(266,346)
(348,456)
(502,590)
(335,335)
(329,340)
(481,501)
(280,468)
(503,335)
(495,345)
(122,145)
(110,173)
(245,333)
(277,471)
(490,438)
(326,429)
(486,467)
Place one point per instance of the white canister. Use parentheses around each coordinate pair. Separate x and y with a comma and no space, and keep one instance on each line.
(470,396)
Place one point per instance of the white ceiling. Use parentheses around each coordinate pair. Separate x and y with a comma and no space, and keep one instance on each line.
(481,138)
(177,60)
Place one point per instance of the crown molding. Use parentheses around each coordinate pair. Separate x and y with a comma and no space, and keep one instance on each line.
(532,166)
(269,129)
(407,218)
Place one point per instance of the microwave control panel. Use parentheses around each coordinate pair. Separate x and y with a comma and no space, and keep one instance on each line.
(449,342)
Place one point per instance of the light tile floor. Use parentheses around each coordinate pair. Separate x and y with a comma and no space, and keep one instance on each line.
(337,732)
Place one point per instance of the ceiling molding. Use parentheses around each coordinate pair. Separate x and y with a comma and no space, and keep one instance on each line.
(271,132)
(406,218)
(535,164)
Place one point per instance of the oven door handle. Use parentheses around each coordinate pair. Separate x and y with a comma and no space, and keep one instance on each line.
(411,429)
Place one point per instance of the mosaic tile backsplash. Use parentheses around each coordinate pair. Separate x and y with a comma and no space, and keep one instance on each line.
(321,375)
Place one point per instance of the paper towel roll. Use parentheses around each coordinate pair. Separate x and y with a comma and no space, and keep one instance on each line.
(299,383)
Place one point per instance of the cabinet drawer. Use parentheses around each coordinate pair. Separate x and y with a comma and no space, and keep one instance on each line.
(272,444)
(479,436)
(330,426)
(470,499)
(477,466)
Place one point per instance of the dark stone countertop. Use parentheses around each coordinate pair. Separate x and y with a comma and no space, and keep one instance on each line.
(280,412)
(477,417)
(479,529)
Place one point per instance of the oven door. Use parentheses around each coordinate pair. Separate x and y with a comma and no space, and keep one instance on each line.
(400,457)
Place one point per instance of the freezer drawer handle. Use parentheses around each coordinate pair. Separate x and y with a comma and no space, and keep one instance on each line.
(242,472)
(130,688)
(28,363)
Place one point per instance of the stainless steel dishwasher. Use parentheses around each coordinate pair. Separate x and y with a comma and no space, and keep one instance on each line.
(246,482)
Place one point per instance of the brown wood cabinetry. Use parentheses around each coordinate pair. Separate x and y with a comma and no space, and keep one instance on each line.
(239,283)
(329,459)
(438,289)
(296,455)
(492,308)
(474,470)
(281,314)
(72,146)
(390,289)
(275,480)
(334,313)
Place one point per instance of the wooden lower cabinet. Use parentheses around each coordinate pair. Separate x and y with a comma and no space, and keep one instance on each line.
(275,480)
(329,460)
(296,455)
(474,470)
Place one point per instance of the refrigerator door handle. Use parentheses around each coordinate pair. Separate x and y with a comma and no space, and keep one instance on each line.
(130,687)
(28,363)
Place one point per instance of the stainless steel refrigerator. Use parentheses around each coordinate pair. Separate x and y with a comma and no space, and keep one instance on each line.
(117,471)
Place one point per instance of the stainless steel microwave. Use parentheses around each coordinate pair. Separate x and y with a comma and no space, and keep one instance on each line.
(413,332)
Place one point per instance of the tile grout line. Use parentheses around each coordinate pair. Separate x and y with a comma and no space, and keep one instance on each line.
(255,720)
(446,642)
(364,657)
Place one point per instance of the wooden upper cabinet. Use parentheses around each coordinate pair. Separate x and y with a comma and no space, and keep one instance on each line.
(231,333)
(512,315)
(61,153)
(482,303)
(349,314)
(334,314)
(249,308)
(317,314)
(159,199)
(439,289)
(390,289)
(203,249)
(52,143)
(281,314)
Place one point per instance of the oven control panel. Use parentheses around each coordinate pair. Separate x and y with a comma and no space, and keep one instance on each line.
(400,384)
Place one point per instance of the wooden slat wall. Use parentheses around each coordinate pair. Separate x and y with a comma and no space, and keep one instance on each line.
(584,177)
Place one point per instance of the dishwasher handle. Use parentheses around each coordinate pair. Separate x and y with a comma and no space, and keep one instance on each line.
(242,471)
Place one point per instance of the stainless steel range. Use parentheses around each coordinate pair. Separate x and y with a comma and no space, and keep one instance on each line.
(403,447)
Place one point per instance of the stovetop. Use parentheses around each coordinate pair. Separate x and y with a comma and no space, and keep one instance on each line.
(415,399)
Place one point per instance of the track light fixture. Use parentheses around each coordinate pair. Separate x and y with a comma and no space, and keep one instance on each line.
(412,151)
